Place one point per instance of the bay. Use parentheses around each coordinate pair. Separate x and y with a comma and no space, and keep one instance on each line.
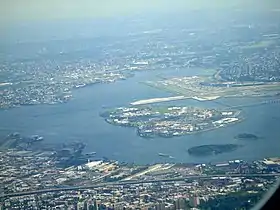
(79,120)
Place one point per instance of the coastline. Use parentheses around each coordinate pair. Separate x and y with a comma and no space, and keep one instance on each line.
(190,133)
(152,132)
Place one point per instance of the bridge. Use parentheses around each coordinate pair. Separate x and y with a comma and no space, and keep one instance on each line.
(131,182)
(272,101)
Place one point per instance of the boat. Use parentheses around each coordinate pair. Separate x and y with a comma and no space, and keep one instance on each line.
(91,153)
(163,155)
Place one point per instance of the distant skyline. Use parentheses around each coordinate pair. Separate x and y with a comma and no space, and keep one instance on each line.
(18,11)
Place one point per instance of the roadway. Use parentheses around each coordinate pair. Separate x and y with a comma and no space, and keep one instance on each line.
(132,182)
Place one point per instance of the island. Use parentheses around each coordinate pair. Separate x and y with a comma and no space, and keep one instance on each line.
(212,149)
(246,136)
(170,121)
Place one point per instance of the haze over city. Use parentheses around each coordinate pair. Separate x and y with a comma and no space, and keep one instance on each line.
(138,104)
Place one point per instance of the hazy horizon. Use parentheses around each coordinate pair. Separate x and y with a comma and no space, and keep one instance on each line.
(31,20)
(20,11)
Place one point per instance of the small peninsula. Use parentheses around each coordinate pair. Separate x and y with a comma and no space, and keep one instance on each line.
(212,149)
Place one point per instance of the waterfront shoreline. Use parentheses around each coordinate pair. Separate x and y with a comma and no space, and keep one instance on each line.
(195,132)
(153,122)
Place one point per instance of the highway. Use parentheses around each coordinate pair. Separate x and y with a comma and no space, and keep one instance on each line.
(131,182)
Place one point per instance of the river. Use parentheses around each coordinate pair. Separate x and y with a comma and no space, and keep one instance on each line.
(79,120)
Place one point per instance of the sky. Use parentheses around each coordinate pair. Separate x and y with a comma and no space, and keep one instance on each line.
(17,16)
(17,11)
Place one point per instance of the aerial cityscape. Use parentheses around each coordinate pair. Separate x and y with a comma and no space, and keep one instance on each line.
(163,113)
(39,183)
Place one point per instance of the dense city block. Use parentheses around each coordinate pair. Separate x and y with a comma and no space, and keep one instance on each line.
(35,181)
